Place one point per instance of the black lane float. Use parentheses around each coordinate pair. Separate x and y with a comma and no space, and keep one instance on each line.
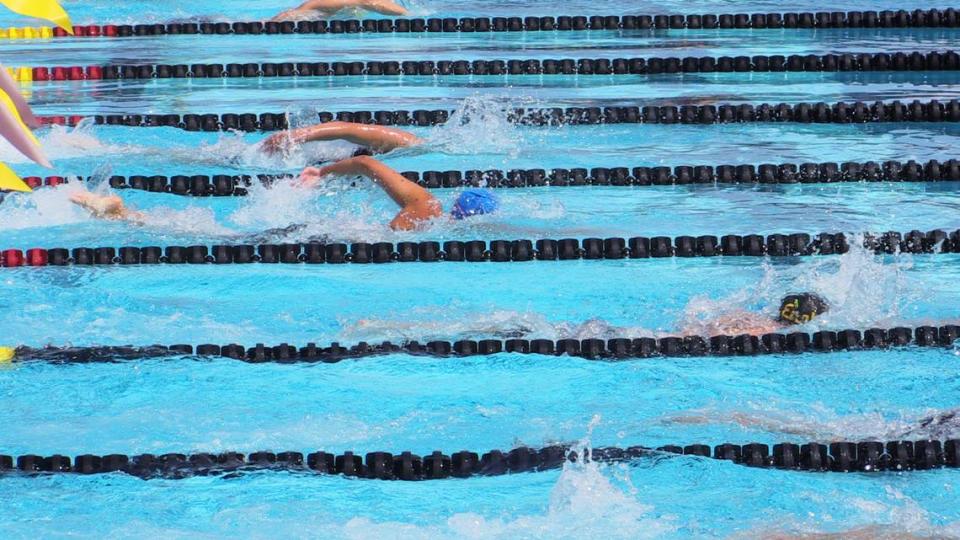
(932,111)
(865,456)
(918,18)
(202,185)
(615,349)
(638,247)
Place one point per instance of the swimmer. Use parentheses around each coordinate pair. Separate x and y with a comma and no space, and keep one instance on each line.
(111,207)
(372,139)
(941,425)
(795,309)
(417,205)
(328,8)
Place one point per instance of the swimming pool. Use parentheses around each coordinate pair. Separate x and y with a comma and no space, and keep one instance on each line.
(395,402)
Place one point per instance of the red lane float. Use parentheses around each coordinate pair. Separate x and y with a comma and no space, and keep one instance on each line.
(11,258)
(37,257)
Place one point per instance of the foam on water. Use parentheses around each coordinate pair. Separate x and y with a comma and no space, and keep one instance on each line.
(49,207)
(588,499)
(340,210)
(234,149)
(862,288)
(61,142)
(895,517)
(479,125)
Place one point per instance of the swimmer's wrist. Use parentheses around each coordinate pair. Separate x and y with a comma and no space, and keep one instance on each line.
(304,134)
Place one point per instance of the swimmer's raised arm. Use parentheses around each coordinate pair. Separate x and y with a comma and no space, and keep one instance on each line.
(105,206)
(377,138)
(416,203)
(330,7)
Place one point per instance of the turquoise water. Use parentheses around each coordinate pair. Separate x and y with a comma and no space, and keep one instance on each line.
(395,403)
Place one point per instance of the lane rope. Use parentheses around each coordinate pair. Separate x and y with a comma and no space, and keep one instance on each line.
(615,248)
(932,111)
(202,185)
(867,62)
(591,349)
(919,18)
(865,456)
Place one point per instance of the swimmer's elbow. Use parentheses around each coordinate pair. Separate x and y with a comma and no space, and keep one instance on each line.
(363,160)
(403,223)
(395,10)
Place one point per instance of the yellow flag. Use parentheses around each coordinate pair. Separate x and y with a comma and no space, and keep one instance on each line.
(10,181)
(42,9)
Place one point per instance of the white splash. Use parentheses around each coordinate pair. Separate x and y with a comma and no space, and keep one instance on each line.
(480,125)
(47,207)
(61,142)
(862,290)
(313,213)
(588,500)
(243,152)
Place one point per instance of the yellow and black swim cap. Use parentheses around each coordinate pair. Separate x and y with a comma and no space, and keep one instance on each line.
(801,308)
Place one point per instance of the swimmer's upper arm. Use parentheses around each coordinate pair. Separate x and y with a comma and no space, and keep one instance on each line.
(415,202)
(404,192)
(380,138)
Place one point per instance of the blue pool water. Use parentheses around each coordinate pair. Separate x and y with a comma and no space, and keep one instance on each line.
(396,402)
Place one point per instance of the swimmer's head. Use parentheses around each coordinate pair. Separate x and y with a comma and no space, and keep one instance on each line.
(474,202)
(801,308)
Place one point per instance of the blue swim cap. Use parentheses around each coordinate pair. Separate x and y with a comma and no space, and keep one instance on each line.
(474,202)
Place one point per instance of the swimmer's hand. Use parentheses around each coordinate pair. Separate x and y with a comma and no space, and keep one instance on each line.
(282,142)
(104,206)
(311,177)
(101,206)
(376,138)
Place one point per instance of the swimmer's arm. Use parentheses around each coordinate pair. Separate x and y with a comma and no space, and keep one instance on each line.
(403,192)
(107,207)
(734,323)
(329,7)
(385,7)
(379,138)
(416,203)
